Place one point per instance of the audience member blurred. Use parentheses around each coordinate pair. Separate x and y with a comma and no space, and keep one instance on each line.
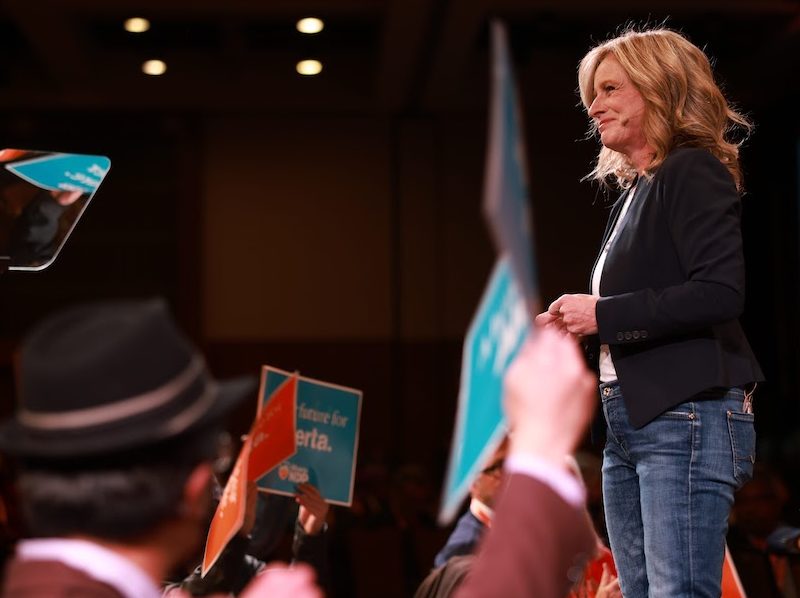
(541,538)
(114,434)
(443,581)
(238,564)
(598,579)
(471,525)
(765,550)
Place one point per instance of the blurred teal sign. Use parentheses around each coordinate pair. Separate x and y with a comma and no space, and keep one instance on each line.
(327,438)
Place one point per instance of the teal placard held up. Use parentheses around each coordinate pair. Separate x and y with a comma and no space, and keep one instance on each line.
(63,172)
(502,321)
(495,336)
(327,439)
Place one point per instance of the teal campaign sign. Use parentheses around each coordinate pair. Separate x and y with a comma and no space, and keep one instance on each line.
(502,321)
(495,336)
(327,438)
(505,198)
(63,172)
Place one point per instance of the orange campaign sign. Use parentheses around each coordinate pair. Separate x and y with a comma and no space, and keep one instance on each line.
(229,517)
(274,432)
(731,584)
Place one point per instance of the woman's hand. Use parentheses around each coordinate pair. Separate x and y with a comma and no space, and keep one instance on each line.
(573,314)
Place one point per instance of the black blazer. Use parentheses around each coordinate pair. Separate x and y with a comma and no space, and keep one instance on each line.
(673,287)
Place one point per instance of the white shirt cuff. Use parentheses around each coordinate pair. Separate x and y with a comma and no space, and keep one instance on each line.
(559,479)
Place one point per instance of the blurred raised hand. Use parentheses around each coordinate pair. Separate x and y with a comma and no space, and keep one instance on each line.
(313,509)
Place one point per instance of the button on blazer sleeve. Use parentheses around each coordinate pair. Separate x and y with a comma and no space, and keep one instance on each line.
(537,546)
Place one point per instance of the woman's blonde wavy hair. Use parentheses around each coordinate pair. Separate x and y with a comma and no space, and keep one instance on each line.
(684,105)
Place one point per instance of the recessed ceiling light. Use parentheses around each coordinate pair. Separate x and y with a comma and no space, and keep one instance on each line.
(309,67)
(154,67)
(310,25)
(137,25)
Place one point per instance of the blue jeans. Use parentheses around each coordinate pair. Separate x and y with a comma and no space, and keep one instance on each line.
(668,488)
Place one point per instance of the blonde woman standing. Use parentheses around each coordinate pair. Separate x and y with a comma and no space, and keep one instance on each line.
(666,293)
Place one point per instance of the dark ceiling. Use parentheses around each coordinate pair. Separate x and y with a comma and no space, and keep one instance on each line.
(380,56)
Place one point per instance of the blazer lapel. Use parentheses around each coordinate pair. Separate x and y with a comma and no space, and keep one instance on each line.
(612,219)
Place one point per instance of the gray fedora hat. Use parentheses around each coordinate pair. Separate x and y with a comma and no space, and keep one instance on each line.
(106,378)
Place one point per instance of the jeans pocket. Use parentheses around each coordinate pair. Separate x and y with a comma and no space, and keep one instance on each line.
(743,445)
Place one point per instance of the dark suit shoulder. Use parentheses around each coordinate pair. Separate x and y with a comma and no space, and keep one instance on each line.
(692,181)
(683,161)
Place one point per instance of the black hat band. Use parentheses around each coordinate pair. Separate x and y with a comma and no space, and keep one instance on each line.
(130,407)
